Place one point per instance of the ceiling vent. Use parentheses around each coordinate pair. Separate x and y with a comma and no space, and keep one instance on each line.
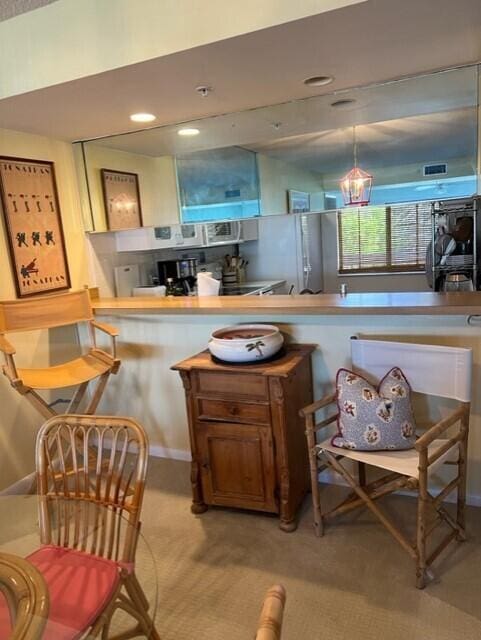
(438,169)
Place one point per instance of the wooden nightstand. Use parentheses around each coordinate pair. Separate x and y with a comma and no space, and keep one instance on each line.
(248,444)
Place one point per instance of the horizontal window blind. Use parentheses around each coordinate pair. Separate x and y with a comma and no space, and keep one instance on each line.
(381,239)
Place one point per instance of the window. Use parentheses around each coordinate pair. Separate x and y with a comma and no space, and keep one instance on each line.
(379,239)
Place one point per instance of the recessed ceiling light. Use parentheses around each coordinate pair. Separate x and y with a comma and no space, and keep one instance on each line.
(318,81)
(188,132)
(142,117)
(344,102)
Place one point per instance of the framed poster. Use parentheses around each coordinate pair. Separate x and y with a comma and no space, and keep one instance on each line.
(121,199)
(298,201)
(31,210)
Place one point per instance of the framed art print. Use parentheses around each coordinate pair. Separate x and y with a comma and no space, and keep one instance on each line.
(121,199)
(298,201)
(33,223)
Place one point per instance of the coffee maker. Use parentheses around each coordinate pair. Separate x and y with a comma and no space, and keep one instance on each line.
(183,273)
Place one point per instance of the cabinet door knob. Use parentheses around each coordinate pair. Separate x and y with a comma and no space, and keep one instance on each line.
(205,465)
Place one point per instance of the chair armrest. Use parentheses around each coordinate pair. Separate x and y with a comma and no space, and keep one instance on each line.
(6,347)
(440,427)
(315,406)
(106,328)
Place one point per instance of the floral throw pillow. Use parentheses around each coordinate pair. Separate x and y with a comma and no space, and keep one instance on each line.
(373,419)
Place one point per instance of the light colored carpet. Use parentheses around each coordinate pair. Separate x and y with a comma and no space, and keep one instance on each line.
(354,583)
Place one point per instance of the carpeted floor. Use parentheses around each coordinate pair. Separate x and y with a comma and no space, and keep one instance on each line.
(354,583)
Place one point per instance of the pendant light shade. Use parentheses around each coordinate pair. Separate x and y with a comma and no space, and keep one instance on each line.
(356,185)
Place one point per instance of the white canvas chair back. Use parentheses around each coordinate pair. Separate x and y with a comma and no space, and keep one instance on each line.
(430,369)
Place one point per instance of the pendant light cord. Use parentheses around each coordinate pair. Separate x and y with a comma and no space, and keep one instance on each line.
(354,144)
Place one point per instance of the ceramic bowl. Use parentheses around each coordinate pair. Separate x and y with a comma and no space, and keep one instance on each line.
(246,342)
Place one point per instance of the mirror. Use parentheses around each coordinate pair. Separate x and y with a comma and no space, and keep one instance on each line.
(417,137)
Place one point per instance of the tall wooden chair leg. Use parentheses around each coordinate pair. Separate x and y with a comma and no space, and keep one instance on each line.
(138,598)
(421,520)
(361,470)
(77,397)
(462,460)
(39,403)
(314,471)
(97,395)
(461,497)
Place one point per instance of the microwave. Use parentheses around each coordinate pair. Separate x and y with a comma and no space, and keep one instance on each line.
(216,233)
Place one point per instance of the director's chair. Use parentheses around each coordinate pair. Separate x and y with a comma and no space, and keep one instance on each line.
(439,371)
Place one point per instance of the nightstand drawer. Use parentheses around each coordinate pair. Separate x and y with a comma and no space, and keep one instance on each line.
(230,410)
(232,384)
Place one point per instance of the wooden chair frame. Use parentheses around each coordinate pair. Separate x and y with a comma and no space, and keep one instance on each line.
(270,622)
(26,595)
(366,494)
(49,312)
(93,507)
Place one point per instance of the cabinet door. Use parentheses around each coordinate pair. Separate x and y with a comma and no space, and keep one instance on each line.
(237,465)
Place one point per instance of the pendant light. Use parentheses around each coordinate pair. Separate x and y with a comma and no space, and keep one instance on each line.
(356,185)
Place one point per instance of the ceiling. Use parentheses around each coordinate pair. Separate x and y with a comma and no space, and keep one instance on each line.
(12,8)
(366,43)
(276,127)
(423,139)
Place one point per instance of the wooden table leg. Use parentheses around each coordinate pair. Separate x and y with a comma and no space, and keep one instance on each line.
(198,505)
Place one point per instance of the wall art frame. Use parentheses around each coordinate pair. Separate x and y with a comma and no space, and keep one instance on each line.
(298,201)
(121,193)
(33,224)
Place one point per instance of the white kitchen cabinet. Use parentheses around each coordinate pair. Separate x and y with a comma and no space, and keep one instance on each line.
(165,237)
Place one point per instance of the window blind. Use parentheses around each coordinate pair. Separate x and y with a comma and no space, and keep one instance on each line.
(382,239)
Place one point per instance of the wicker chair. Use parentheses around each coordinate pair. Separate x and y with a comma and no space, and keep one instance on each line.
(90,522)
(25,600)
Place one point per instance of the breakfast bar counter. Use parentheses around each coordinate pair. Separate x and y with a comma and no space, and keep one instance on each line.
(156,333)
(403,303)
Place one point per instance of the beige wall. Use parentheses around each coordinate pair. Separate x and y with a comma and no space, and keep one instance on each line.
(276,177)
(18,422)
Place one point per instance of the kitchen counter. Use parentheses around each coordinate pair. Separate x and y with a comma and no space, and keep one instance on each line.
(155,333)
(406,303)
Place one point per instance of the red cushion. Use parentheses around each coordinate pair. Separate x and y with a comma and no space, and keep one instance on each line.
(79,584)
(5,623)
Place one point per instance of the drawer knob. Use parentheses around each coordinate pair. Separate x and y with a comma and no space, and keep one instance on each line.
(234,411)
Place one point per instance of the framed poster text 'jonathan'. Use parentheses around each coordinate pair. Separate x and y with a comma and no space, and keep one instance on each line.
(33,225)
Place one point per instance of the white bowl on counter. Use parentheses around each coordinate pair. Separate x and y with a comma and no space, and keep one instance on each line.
(246,342)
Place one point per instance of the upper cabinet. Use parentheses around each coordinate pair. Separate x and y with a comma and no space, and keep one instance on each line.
(416,137)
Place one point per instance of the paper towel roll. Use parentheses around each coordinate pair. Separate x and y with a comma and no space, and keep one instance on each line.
(206,284)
